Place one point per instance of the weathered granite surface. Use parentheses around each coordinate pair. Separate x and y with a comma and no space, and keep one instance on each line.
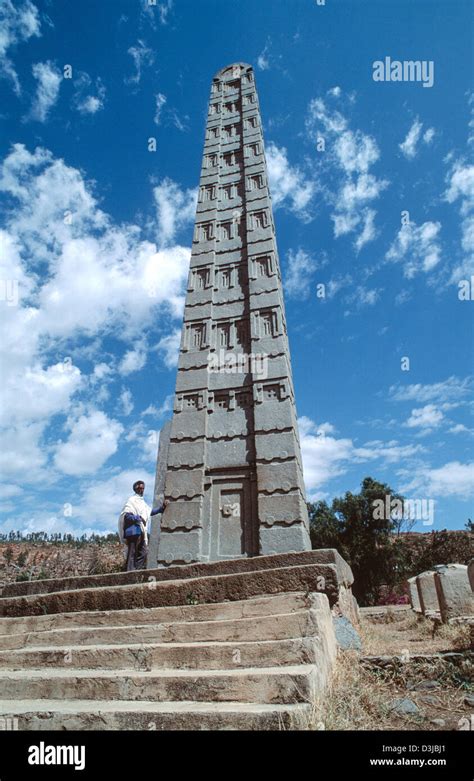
(234,476)
(454,592)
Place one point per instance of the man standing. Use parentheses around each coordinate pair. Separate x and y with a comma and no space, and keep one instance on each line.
(132,526)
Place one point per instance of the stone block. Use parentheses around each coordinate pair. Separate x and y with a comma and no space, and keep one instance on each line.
(454,592)
(427,592)
(414,596)
(280,539)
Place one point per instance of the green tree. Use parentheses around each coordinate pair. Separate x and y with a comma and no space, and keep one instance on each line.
(361,527)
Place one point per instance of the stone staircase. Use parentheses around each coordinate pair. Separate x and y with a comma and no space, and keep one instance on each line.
(252,664)
(245,644)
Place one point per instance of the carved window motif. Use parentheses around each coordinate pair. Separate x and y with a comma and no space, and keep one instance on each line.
(224,280)
(214,108)
(223,335)
(252,150)
(227,192)
(231,107)
(255,182)
(248,78)
(242,333)
(228,159)
(243,400)
(225,231)
(216,87)
(258,220)
(201,278)
(221,401)
(272,393)
(204,231)
(211,161)
(191,401)
(197,335)
(232,85)
(251,122)
(213,132)
(229,131)
(268,323)
(207,193)
(248,99)
(262,266)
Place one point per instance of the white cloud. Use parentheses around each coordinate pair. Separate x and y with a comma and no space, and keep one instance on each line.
(133,361)
(47,92)
(93,439)
(169,345)
(84,102)
(18,22)
(453,479)
(363,296)
(451,389)
(142,56)
(417,248)
(428,135)
(160,101)
(352,153)
(103,499)
(263,62)
(175,208)
(427,417)
(127,287)
(126,400)
(325,457)
(461,188)
(408,146)
(288,184)
(299,271)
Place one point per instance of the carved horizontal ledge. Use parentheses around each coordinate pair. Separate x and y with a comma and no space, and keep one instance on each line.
(272,522)
(269,489)
(189,524)
(175,494)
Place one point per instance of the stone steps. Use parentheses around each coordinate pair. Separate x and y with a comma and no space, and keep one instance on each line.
(256,606)
(274,627)
(142,715)
(288,684)
(153,656)
(253,653)
(203,589)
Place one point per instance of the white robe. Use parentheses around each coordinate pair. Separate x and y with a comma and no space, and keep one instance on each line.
(136,505)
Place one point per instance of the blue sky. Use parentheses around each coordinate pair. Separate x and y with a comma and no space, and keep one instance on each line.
(372,185)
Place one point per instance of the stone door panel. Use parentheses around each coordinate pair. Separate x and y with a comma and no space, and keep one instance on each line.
(231,518)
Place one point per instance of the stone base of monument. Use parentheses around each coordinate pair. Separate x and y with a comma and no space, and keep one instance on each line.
(251,648)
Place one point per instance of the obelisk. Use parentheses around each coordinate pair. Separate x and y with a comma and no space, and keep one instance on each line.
(234,475)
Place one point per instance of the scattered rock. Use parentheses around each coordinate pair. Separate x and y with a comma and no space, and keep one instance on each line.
(404,707)
(469,700)
(420,685)
(347,637)
(438,722)
(428,699)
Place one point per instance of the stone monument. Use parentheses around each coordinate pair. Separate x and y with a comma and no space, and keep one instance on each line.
(234,475)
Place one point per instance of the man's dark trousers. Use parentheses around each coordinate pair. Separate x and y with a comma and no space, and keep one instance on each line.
(137,550)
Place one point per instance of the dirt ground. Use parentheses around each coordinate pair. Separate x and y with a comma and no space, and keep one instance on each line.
(364,688)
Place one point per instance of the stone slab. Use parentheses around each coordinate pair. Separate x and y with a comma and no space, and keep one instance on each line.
(454,592)
(216,588)
(321,556)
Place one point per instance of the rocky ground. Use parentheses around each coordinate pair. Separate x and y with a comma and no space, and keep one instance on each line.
(33,560)
(409,675)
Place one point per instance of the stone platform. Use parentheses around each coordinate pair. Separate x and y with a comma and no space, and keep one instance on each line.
(246,644)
